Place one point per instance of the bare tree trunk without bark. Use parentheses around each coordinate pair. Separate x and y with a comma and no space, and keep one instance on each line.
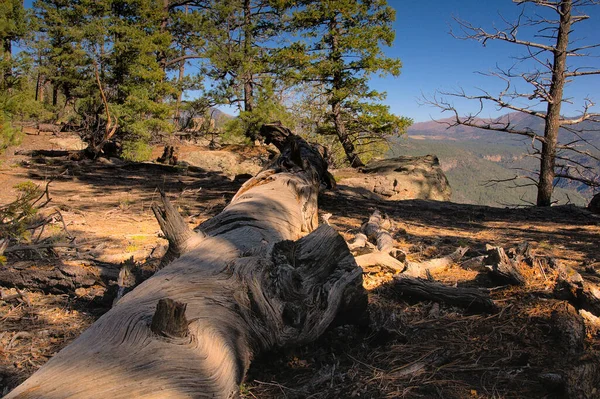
(252,281)
(548,156)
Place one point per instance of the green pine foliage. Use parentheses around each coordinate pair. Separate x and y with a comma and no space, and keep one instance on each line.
(13,28)
(268,108)
(129,63)
(242,36)
(339,49)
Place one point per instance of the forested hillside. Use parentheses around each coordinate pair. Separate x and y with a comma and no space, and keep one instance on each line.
(474,159)
(472,167)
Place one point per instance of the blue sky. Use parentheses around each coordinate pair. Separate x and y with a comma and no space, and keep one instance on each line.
(434,60)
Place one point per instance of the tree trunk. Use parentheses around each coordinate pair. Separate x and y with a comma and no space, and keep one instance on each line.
(336,108)
(247,75)
(241,287)
(548,156)
(39,88)
(340,129)
(162,54)
(54,94)
(7,49)
(177,117)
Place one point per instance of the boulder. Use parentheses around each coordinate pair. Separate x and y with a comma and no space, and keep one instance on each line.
(398,179)
(224,162)
(68,143)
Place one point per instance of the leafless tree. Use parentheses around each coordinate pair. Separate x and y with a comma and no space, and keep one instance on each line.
(548,55)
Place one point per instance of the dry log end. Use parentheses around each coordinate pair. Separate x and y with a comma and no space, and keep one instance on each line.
(360,240)
(318,281)
(380,259)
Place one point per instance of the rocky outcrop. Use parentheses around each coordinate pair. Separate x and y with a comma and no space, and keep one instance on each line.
(226,162)
(398,179)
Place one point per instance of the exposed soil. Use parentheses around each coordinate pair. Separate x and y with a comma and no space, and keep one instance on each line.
(410,349)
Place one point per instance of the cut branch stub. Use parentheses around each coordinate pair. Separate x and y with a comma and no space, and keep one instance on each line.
(169,319)
(181,238)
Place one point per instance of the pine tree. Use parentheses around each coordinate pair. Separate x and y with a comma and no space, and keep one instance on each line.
(118,58)
(13,27)
(241,42)
(65,60)
(341,49)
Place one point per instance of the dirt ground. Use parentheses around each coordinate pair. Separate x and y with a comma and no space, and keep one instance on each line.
(409,349)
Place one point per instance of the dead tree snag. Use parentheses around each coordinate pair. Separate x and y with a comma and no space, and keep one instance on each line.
(256,281)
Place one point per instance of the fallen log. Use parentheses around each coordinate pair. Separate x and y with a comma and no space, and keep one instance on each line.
(375,229)
(420,269)
(46,153)
(58,278)
(570,285)
(569,328)
(254,282)
(468,298)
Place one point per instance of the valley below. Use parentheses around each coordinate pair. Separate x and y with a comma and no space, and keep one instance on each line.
(480,165)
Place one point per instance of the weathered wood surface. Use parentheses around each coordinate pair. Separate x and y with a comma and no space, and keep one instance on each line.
(376,230)
(420,269)
(503,268)
(254,282)
(469,298)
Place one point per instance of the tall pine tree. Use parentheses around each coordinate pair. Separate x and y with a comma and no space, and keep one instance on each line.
(341,48)
(241,42)
(13,27)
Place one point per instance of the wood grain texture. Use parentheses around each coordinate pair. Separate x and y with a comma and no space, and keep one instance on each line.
(468,298)
(255,281)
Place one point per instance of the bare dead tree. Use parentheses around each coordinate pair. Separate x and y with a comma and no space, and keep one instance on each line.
(551,26)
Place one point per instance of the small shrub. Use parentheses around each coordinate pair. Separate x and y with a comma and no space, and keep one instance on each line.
(136,150)
(16,217)
(8,134)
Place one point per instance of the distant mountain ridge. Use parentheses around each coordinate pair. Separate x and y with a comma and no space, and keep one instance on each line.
(439,130)
(472,157)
